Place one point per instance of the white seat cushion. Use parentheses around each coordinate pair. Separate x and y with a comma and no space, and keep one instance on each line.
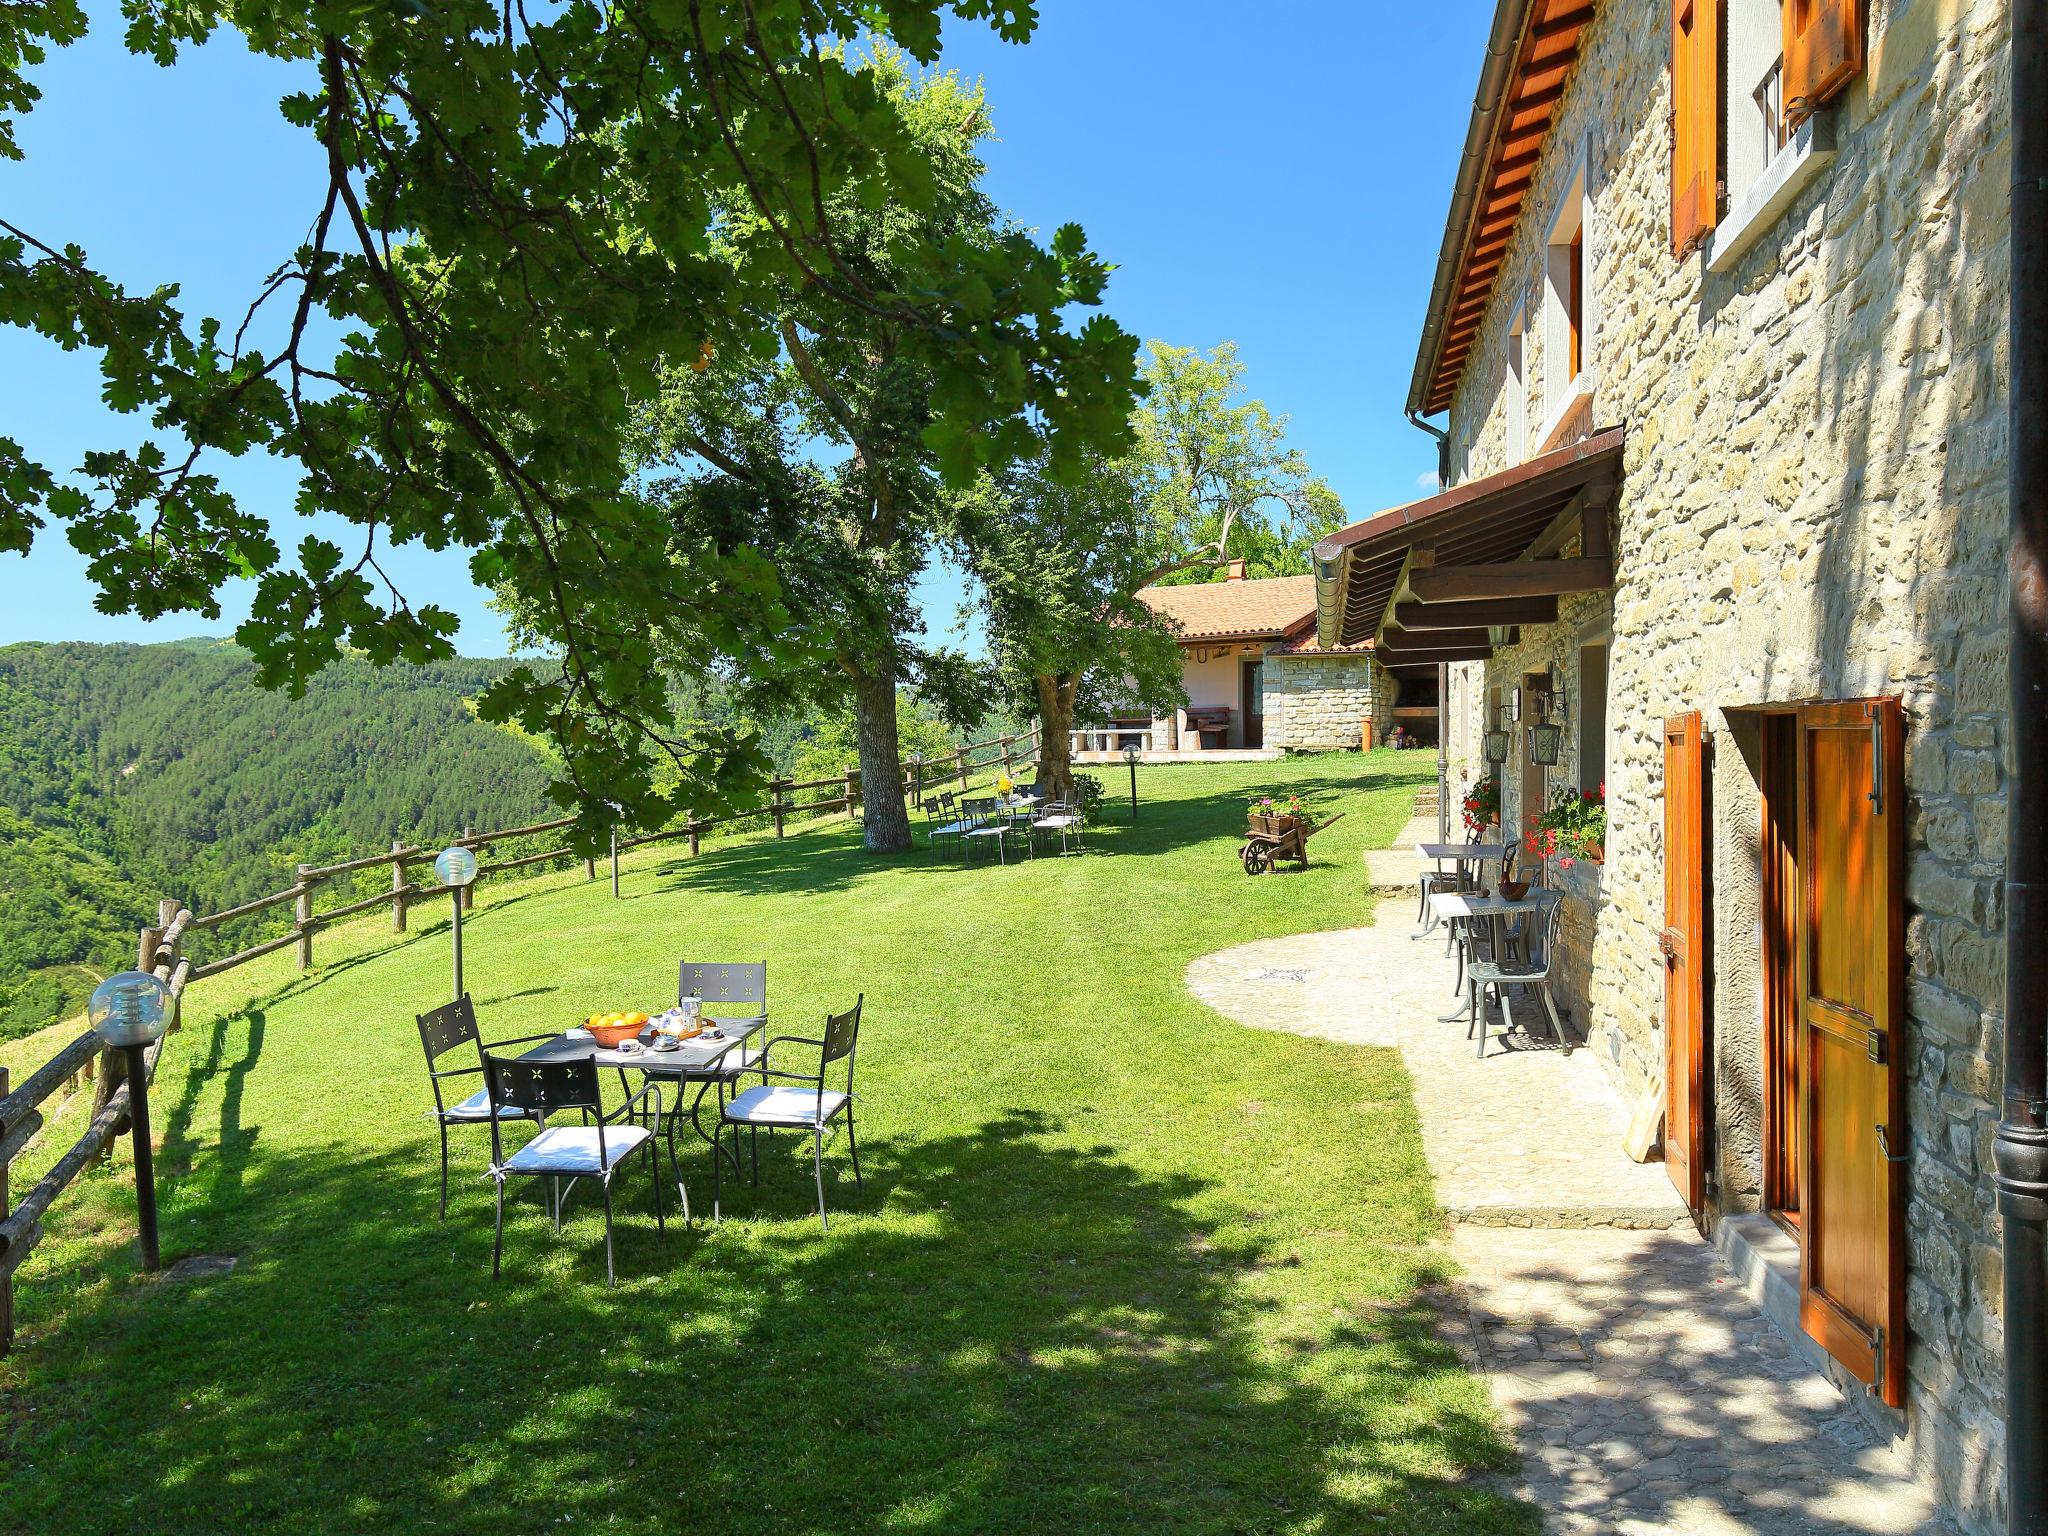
(949,829)
(573,1149)
(1055,823)
(784,1105)
(478,1107)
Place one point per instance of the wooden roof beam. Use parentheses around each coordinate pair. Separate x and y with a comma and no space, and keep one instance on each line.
(1506,610)
(1409,658)
(1518,578)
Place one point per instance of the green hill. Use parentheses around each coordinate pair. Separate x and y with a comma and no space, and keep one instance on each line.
(131,772)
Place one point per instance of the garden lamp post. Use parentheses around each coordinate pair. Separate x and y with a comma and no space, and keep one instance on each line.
(129,1010)
(456,868)
(1131,757)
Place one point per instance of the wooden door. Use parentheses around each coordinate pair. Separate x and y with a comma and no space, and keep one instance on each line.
(1684,945)
(1850,988)
(1778,825)
(1252,678)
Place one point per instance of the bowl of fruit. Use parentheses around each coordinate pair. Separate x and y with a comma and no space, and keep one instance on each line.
(612,1030)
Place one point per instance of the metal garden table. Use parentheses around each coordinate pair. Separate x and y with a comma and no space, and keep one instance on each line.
(702,1060)
(1460,854)
(1494,910)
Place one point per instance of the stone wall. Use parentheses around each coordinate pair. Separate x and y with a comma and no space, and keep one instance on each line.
(1315,703)
(1813,508)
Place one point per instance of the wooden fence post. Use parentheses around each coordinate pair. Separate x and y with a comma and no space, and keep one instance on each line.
(302,913)
(166,914)
(852,793)
(615,863)
(775,788)
(695,830)
(397,886)
(469,890)
(960,762)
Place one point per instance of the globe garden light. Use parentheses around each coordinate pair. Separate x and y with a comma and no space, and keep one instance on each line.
(129,1010)
(455,866)
(456,869)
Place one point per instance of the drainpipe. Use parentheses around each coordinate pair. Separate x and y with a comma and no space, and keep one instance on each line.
(1443,448)
(2020,1151)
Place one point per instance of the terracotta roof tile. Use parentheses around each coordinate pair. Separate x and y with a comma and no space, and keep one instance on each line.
(1235,610)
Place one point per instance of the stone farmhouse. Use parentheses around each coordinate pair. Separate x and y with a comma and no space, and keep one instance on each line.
(1257,678)
(1720,326)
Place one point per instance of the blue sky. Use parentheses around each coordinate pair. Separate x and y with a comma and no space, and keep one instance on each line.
(1282,186)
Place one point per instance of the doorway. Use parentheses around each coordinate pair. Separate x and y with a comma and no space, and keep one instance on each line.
(1832,813)
(1252,700)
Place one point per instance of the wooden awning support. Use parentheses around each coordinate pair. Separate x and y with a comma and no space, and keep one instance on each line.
(1516,578)
(1506,610)
(1441,577)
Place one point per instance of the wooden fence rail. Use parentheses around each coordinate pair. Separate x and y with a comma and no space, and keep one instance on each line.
(161,952)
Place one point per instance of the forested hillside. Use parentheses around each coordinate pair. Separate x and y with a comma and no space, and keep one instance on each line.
(132,772)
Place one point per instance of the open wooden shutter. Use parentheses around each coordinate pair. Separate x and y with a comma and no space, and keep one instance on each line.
(1695,120)
(1851,985)
(1684,945)
(1823,52)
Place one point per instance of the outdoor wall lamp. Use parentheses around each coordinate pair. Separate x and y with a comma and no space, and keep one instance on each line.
(1496,747)
(1544,740)
(128,1011)
(456,869)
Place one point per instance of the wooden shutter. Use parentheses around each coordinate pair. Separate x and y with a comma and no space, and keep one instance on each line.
(1823,42)
(1851,985)
(1684,943)
(1695,121)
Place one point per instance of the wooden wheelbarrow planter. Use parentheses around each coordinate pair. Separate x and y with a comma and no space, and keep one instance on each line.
(1273,838)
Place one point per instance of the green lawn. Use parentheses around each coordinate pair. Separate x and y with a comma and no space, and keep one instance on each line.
(1120,1265)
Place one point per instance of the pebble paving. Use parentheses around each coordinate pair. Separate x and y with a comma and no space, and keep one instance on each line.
(1644,1389)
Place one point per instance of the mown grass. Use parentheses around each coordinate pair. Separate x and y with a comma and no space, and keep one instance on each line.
(1120,1264)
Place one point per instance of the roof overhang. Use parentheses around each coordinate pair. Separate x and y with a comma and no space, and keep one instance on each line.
(1529,59)
(1450,576)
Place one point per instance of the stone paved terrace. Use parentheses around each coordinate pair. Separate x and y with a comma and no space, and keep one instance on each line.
(1642,1385)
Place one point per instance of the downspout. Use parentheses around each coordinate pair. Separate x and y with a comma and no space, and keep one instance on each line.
(2020,1149)
(1443,448)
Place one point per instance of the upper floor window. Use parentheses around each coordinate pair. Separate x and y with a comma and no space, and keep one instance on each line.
(1517,385)
(1566,315)
(1748,78)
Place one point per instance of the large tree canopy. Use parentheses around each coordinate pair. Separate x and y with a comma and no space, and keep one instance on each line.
(1213,469)
(524,218)
(819,457)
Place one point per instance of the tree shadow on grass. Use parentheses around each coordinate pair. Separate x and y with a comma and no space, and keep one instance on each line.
(818,860)
(1005,1331)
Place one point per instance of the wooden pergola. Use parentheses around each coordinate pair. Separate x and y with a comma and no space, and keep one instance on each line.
(1452,576)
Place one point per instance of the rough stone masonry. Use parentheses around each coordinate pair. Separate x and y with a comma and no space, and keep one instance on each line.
(1813,508)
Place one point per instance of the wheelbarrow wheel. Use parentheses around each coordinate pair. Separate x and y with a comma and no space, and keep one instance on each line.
(1255,858)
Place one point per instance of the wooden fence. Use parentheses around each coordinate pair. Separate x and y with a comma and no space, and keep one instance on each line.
(161,951)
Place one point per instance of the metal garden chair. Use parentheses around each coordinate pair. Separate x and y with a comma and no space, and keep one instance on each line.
(987,821)
(1535,968)
(801,1101)
(1061,819)
(943,821)
(594,1150)
(447,1029)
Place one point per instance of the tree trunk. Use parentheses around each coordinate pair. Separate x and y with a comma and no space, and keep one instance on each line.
(887,826)
(1055,737)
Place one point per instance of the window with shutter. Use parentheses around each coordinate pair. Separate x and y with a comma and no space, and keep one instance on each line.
(1695,120)
(1823,52)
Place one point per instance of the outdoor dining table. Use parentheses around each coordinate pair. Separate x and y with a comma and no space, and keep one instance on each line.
(1494,910)
(700,1060)
(1460,854)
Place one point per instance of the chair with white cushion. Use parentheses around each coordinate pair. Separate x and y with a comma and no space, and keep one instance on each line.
(1058,818)
(594,1150)
(801,1101)
(445,1030)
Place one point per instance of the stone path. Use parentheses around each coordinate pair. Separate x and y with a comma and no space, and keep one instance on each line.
(1645,1390)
